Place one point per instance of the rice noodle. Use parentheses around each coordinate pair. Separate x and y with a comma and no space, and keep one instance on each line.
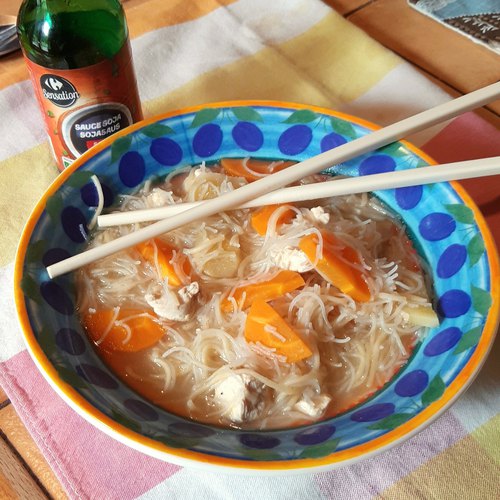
(356,346)
(100,201)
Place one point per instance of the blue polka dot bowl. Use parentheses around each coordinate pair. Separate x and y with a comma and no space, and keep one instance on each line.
(443,222)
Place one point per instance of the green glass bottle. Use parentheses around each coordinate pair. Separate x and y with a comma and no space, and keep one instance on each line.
(79,59)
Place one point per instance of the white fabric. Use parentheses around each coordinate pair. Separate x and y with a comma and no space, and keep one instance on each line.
(193,484)
(192,56)
(387,101)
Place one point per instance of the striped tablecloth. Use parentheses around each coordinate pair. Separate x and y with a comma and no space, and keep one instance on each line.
(200,51)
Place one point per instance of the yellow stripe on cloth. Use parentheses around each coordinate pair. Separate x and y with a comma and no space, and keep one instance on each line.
(483,435)
(450,474)
(304,69)
(20,193)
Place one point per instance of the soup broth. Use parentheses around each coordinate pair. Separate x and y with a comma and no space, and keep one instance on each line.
(257,318)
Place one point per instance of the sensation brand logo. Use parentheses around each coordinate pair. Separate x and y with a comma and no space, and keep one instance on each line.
(58,90)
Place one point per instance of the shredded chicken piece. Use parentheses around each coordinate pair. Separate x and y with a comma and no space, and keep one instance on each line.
(319,215)
(290,258)
(242,396)
(171,304)
(313,407)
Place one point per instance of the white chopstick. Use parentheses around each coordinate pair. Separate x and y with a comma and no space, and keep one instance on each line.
(350,185)
(279,179)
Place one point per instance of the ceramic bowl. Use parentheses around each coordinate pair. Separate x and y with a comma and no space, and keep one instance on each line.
(445,225)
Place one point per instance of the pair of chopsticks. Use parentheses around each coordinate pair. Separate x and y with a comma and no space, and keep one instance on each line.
(336,187)
(251,191)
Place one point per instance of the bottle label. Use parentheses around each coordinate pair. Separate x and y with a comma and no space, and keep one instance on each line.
(81,107)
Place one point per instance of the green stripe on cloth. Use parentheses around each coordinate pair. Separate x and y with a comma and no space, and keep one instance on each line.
(448,475)
(483,436)
(20,192)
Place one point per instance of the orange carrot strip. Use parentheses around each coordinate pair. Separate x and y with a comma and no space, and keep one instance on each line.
(261,319)
(145,332)
(283,282)
(260,218)
(165,253)
(252,170)
(332,266)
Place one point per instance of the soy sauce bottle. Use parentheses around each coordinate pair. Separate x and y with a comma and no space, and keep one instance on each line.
(80,63)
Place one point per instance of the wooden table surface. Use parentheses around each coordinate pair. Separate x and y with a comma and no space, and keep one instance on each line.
(447,58)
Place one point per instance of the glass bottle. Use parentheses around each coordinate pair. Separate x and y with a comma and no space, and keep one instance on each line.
(80,63)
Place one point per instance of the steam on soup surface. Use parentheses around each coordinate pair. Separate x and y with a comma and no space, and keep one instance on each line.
(257,318)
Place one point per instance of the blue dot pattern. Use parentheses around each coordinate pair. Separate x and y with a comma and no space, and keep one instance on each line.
(74,224)
(70,341)
(315,436)
(377,164)
(412,383)
(454,303)
(207,140)
(442,239)
(54,255)
(408,198)
(373,413)
(259,441)
(331,141)
(166,151)
(248,136)
(443,341)
(90,197)
(451,261)
(132,168)
(437,226)
(57,297)
(96,376)
(295,140)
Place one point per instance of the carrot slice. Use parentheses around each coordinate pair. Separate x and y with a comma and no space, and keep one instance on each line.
(250,169)
(260,218)
(333,267)
(283,282)
(266,326)
(144,330)
(164,255)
